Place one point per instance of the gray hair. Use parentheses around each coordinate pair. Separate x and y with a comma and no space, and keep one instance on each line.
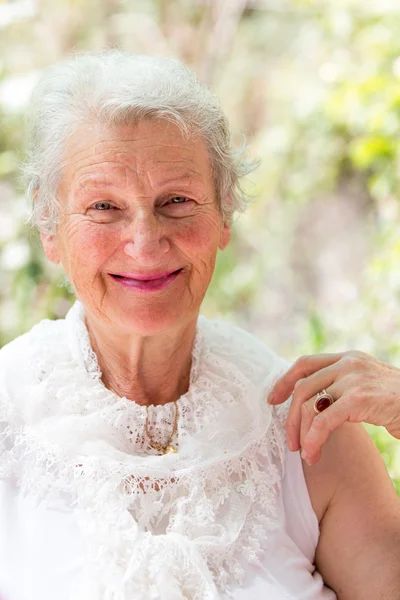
(112,88)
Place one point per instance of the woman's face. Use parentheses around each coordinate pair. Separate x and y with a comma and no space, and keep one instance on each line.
(138,201)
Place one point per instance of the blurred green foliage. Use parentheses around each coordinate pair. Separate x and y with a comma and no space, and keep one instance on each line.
(315,86)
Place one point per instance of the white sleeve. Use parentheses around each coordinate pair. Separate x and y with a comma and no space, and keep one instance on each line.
(301,520)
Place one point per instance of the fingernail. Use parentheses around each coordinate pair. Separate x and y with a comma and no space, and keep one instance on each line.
(290,444)
(304,455)
(271,399)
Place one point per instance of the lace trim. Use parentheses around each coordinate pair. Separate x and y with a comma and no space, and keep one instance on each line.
(161,417)
(201,551)
(81,348)
(183,525)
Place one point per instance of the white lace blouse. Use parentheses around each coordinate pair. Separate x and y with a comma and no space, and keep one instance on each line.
(89,511)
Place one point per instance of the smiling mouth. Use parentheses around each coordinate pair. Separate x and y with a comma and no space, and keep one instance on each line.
(144,280)
(146,285)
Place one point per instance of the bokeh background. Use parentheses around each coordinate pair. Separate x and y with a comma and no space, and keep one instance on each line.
(314,263)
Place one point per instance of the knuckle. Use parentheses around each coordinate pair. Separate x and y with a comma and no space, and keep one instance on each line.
(357,354)
(352,363)
(307,409)
(357,395)
(302,361)
(320,422)
(299,384)
(289,426)
(309,446)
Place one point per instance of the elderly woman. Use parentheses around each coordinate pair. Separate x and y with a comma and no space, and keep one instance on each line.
(140,459)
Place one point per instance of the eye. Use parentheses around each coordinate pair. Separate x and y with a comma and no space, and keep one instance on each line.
(179,200)
(178,206)
(102,206)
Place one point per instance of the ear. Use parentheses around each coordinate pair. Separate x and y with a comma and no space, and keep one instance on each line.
(49,242)
(225,236)
(50,247)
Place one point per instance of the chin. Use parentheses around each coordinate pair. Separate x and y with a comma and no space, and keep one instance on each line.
(148,319)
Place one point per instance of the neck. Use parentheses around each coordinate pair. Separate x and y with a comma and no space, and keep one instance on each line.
(152,369)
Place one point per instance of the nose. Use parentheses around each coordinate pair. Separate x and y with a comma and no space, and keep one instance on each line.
(146,241)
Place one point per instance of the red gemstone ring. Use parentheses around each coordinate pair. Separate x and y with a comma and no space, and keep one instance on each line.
(323,401)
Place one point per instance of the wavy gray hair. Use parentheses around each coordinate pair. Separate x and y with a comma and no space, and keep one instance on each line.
(114,88)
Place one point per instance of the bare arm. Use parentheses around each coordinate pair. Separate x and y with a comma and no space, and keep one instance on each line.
(358,553)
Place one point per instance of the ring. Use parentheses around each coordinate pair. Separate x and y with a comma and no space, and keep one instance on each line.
(323,401)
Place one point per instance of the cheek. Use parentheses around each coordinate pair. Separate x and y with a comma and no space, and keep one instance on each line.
(199,239)
(89,246)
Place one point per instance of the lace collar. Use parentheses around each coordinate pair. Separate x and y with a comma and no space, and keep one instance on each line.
(160,416)
(82,352)
(163,527)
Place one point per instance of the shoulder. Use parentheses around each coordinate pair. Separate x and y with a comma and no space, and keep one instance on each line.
(22,358)
(45,332)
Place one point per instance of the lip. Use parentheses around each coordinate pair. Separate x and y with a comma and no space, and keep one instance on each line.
(145,276)
(146,285)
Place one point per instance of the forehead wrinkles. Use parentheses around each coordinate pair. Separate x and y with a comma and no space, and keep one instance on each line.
(121,159)
(136,154)
(106,175)
(158,161)
(101,175)
(127,170)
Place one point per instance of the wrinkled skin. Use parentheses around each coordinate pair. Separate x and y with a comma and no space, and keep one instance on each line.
(364,389)
(118,216)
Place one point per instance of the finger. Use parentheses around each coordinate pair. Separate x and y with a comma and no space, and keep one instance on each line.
(303,367)
(343,373)
(308,413)
(305,389)
(323,425)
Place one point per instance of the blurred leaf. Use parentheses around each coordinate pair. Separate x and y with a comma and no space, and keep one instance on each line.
(366,152)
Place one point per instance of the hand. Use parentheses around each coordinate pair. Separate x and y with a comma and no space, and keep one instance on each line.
(364,389)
